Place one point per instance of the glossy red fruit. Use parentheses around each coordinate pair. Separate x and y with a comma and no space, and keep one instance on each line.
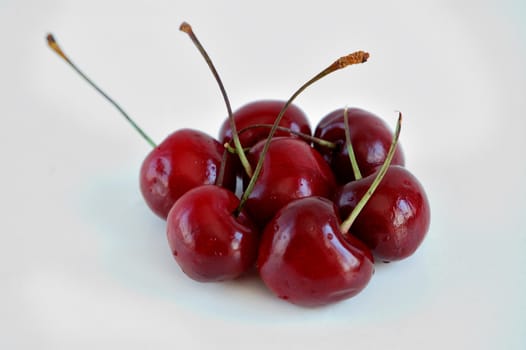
(370,138)
(184,160)
(206,240)
(264,112)
(304,259)
(292,169)
(396,218)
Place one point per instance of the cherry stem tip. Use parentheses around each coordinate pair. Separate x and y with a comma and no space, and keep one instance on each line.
(353,58)
(185,27)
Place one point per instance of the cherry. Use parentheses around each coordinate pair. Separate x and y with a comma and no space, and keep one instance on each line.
(370,137)
(313,159)
(305,259)
(184,160)
(264,112)
(211,238)
(292,169)
(396,219)
(308,257)
(207,241)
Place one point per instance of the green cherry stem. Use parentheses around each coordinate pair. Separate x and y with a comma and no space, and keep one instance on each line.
(350,149)
(52,43)
(342,62)
(304,136)
(233,150)
(185,27)
(346,225)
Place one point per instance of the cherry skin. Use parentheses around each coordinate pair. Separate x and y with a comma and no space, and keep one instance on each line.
(292,169)
(206,240)
(185,159)
(370,138)
(304,258)
(264,112)
(396,218)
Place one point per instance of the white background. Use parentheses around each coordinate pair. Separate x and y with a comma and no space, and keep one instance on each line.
(85,264)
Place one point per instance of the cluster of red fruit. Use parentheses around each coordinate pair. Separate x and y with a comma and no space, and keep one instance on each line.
(310,212)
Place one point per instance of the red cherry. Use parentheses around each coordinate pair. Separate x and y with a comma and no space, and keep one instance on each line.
(304,258)
(396,218)
(208,242)
(297,183)
(370,137)
(264,112)
(292,169)
(184,160)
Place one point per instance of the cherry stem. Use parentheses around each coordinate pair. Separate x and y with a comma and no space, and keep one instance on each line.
(304,136)
(185,27)
(52,43)
(346,225)
(221,175)
(232,150)
(350,149)
(342,62)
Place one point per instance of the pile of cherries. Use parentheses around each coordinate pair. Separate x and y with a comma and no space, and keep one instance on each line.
(312,212)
